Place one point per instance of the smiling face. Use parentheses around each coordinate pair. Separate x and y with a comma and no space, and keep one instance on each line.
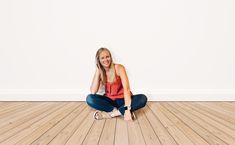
(105,59)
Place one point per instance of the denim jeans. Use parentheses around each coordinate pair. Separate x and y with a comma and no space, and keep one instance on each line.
(103,103)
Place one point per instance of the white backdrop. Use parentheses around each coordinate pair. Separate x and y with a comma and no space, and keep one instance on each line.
(172,50)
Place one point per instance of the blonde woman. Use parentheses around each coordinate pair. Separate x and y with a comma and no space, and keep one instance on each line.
(118,99)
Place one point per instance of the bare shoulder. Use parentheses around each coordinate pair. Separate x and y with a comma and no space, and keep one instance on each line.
(119,68)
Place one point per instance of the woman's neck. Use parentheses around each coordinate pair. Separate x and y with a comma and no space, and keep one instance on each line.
(107,70)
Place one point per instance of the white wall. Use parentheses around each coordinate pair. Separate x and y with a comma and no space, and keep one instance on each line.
(172,50)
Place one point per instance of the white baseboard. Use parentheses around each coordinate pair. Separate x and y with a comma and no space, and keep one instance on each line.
(157,95)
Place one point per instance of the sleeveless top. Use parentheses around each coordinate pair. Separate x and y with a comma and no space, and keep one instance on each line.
(115,90)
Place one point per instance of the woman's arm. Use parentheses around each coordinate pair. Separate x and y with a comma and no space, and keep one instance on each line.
(127,92)
(125,84)
(95,82)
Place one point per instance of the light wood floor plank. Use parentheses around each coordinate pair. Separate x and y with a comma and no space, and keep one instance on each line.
(68,131)
(210,114)
(38,126)
(163,135)
(19,115)
(220,113)
(8,105)
(175,132)
(43,129)
(221,127)
(231,104)
(227,106)
(215,112)
(216,106)
(50,134)
(94,134)
(208,136)
(121,134)
(189,132)
(209,124)
(107,136)
(80,134)
(8,131)
(13,109)
(134,133)
(148,133)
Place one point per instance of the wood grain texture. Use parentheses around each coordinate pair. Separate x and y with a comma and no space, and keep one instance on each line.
(158,123)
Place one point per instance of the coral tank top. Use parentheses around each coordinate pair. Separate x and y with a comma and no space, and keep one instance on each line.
(115,90)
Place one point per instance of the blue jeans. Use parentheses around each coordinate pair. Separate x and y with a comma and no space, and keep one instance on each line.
(103,103)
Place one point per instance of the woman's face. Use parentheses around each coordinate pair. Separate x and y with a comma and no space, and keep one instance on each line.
(105,59)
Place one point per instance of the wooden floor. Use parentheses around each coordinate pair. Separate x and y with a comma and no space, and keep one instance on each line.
(159,123)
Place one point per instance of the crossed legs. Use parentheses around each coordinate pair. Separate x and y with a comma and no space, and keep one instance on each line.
(115,107)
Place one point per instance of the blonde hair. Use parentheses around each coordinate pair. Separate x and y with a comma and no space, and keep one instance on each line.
(112,77)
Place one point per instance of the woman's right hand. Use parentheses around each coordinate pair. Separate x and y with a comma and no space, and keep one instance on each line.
(95,82)
(127,115)
(97,71)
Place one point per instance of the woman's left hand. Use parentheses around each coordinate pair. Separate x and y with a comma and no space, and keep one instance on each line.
(127,115)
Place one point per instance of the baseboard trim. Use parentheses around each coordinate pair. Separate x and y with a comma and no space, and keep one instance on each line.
(157,95)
